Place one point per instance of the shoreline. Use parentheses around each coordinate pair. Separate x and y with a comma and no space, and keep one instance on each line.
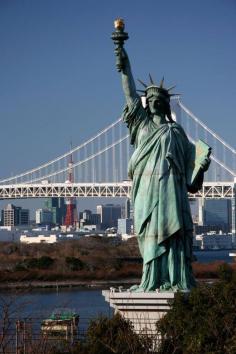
(93,284)
(35,284)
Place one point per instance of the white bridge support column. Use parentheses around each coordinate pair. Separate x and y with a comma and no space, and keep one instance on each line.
(200,211)
(234,215)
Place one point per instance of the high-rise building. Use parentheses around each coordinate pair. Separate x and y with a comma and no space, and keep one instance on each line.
(58,209)
(24,216)
(95,219)
(14,216)
(127,208)
(44,217)
(217,212)
(86,217)
(109,214)
(124,226)
(9,215)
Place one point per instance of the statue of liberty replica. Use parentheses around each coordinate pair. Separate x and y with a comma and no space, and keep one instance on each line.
(164,167)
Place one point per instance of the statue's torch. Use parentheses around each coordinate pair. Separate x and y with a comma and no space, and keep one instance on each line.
(119,36)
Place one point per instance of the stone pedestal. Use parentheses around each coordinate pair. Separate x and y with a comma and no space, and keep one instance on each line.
(142,309)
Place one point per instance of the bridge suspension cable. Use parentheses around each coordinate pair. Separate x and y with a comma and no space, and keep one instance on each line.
(82,161)
(67,154)
(104,157)
(223,155)
(205,127)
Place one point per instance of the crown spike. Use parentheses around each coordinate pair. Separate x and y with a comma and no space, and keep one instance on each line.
(151,80)
(161,83)
(171,88)
(142,83)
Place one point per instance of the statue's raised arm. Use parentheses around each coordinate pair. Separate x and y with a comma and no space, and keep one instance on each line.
(122,62)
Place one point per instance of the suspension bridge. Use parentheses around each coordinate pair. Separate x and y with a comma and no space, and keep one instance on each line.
(100,165)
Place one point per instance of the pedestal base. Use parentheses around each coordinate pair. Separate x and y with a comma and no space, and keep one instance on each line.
(143,309)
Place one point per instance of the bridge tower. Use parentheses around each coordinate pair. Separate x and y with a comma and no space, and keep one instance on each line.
(71,219)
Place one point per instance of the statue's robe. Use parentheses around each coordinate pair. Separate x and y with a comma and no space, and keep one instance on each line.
(161,168)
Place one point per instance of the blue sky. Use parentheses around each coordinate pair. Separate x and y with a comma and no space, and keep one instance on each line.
(58,80)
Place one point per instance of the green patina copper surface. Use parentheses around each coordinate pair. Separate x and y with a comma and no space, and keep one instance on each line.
(161,169)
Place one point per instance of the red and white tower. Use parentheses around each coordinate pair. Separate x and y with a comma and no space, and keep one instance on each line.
(71,219)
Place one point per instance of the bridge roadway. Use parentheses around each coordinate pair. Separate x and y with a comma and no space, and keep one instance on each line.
(122,189)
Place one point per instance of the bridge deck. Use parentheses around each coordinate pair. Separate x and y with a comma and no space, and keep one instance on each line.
(122,189)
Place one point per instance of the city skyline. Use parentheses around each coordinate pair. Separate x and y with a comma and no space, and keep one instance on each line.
(51,59)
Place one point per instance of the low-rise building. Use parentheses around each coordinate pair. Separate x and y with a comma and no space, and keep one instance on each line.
(213,241)
(38,239)
(126,237)
(91,227)
(9,234)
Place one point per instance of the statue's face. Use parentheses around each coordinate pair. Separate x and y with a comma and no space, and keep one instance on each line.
(156,105)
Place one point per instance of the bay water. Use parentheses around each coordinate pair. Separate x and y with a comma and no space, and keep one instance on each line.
(38,304)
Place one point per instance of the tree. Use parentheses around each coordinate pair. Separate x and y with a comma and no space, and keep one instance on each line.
(114,335)
(45,262)
(74,263)
(203,322)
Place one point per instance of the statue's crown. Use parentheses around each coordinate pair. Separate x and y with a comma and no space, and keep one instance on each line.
(154,90)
